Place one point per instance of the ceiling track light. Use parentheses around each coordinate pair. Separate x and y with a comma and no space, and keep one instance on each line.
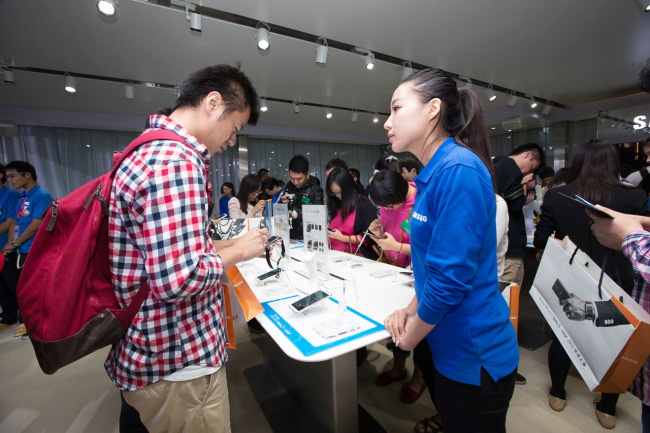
(321,51)
(70,83)
(354,116)
(129,92)
(263,107)
(532,102)
(370,61)
(547,108)
(490,93)
(513,100)
(107,7)
(468,82)
(328,113)
(262,36)
(194,19)
(296,107)
(8,75)
(407,69)
(375,119)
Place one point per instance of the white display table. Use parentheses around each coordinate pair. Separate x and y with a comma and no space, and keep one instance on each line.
(324,385)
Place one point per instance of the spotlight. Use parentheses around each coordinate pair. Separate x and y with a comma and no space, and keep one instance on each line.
(262,36)
(370,61)
(129,93)
(513,100)
(547,108)
(296,107)
(328,113)
(70,83)
(194,19)
(376,118)
(406,70)
(8,75)
(532,102)
(263,106)
(107,7)
(321,51)
(489,92)
(354,116)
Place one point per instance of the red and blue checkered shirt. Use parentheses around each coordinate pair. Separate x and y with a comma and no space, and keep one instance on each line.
(159,232)
(636,247)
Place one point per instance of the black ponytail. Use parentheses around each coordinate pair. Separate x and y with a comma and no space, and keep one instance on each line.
(460,112)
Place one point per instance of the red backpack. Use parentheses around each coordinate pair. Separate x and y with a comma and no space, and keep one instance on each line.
(65,293)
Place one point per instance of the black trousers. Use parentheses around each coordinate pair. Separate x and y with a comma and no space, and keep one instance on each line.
(469,408)
(8,284)
(423,358)
(130,419)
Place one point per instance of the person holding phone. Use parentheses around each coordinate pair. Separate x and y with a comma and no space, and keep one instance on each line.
(246,204)
(457,306)
(396,196)
(350,215)
(593,176)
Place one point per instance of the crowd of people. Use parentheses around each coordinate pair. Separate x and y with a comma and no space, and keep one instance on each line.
(457,325)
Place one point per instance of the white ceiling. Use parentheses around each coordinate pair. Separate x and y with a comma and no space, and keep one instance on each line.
(585,54)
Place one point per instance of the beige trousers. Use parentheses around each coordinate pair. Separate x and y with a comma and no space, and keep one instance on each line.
(513,271)
(194,406)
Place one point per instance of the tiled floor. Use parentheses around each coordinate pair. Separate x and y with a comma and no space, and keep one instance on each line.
(80,398)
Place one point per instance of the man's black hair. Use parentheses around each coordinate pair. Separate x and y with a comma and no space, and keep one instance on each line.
(546,172)
(262,170)
(299,164)
(336,162)
(235,88)
(270,183)
(22,167)
(409,164)
(4,175)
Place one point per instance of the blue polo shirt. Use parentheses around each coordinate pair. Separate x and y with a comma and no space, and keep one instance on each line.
(453,249)
(7,209)
(30,206)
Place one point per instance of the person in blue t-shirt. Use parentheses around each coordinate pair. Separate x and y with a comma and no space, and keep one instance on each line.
(26,219)
(457,307)
(8,199)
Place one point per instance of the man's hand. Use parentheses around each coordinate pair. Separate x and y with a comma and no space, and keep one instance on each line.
(611,232)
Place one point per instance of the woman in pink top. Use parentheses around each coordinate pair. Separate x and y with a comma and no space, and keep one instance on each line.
(396,197)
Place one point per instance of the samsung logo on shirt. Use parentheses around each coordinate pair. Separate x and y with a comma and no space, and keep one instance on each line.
(419,217)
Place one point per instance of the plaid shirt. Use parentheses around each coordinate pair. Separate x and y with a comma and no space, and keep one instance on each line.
(636,247)
(159,232)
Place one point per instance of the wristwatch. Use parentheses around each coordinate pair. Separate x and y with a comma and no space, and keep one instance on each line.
(590,313)
(13,242)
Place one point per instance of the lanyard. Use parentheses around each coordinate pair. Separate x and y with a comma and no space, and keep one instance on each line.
(21,207)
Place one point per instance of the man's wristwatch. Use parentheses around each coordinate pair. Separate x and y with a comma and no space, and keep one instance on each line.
(590,313)
(13,242)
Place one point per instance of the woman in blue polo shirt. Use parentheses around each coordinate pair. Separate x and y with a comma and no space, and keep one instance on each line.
(457,306)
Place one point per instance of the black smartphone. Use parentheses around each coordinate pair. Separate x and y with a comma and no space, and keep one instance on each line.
(560,291)
(408,273)
(584,203)
(268,274)
(220,217)
(309,301)
(331,230)
(273,239)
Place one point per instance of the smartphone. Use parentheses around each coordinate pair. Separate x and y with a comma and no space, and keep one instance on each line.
(560,291)
(331,230)
(374,236)
(584,203)
(407,273)
(273,239)
(309,301)
(268,274)
(222,216)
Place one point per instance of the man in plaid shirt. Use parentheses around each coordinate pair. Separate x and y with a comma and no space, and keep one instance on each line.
(631,234)
(170,363)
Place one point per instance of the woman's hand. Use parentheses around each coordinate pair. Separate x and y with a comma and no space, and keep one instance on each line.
(398,323)
(259,207)
(377,228)
(337,235)
(388,243)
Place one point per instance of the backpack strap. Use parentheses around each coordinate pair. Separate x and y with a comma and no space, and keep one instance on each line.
(152,135)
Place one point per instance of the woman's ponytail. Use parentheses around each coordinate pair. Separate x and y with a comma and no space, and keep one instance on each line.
(474,134)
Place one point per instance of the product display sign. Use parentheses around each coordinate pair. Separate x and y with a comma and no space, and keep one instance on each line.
(314,228)
(280,226)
